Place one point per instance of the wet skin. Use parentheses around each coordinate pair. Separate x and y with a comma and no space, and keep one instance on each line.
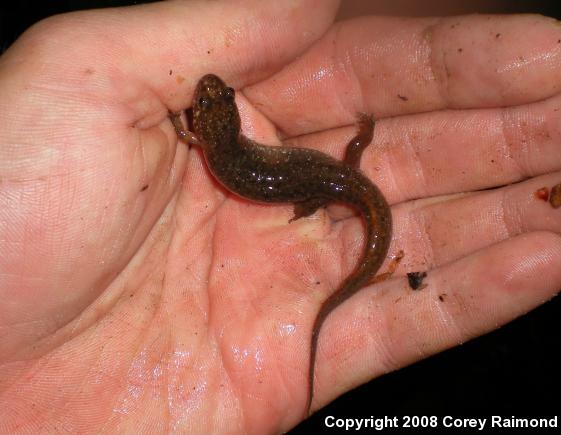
(307,178)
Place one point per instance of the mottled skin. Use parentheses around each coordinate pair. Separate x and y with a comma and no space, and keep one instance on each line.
(308,178)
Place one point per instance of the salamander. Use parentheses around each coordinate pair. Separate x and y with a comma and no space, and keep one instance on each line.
(307,178)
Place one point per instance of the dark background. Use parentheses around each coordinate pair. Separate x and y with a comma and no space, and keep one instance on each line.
(511,372)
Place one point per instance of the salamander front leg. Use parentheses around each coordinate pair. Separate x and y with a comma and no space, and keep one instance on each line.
(183,134)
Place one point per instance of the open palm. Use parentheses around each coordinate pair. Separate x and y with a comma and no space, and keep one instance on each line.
(137,293)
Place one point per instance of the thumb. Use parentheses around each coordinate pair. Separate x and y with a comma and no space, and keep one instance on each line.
(79,81)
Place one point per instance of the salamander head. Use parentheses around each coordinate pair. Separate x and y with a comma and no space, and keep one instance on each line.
(215,116)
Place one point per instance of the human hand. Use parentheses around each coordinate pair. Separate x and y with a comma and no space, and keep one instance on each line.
(141,294)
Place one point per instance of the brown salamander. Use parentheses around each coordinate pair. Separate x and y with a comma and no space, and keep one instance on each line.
(307,178)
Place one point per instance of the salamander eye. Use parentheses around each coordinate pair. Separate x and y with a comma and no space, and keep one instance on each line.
(204,102)
(228,94)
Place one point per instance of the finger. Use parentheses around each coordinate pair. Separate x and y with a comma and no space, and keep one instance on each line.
(436,232)
(416,156)
(391,328)
(393,66)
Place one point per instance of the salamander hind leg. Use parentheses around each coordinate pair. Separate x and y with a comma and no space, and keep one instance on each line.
(307,208)
(392,266)
(362,139)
